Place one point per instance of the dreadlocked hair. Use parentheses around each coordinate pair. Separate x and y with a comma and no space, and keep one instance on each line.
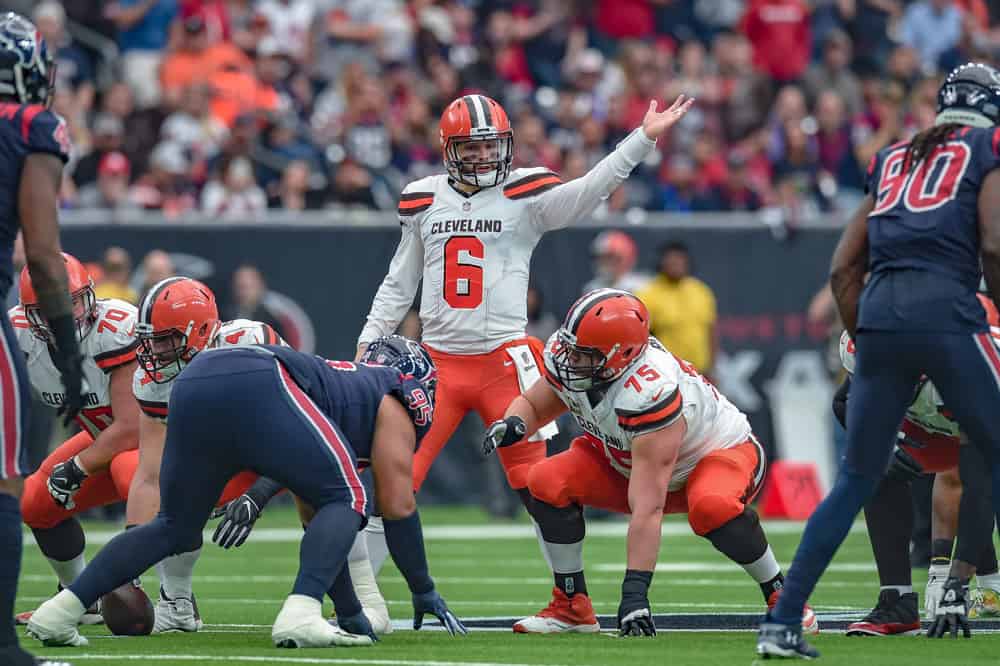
(924,143)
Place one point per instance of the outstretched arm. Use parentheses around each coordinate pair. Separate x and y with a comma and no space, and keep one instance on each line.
(850,262)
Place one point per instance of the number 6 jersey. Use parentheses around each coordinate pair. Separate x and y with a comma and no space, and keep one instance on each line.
(473,250)
(657,390)
(109,343)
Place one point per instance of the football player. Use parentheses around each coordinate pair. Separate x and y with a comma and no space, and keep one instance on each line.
(469,235)
(34,146)
(929,441)
(305,422)
(94,467)
(659,439)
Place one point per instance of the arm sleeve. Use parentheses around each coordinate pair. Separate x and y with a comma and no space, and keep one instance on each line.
(560,206)
(395,295)
(840,401)
(45,132)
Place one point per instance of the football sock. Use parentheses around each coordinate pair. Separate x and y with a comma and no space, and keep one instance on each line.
(324,549)
(825,531)
(345,601)
(10,556)
(941,550)
(177,573)
(378,550)
(889,520)
(405,539)
(68,571)
(560,533)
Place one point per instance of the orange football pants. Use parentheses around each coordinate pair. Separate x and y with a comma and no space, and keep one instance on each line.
(40,511)
(718,489)
(485,384)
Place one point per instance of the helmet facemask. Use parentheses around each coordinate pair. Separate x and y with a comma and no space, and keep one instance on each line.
(579,368)
(163,354)
(480,160)
(84,314)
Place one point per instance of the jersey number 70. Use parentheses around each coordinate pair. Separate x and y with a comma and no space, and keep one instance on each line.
(931,185)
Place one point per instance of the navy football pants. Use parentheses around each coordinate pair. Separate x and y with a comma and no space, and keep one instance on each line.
(966,371)
(235,409)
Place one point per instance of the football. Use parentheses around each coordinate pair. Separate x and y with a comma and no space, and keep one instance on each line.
(127,611)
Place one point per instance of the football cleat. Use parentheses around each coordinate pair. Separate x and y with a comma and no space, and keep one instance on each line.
(783,641)
(300,624)
(370,596)
(54,623)
(563,615)
(810,625)
(985,603)
(893,615)
(178,614)
(91,617)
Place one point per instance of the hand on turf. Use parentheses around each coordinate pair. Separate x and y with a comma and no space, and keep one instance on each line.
(950,613)
(237,521)
(634,616)
(656,123)
(64,481)
(504,433)
(357,624)
(431,602)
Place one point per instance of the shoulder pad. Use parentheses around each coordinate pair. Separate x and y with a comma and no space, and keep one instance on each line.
(847,352)
(417,197)
(114,342)
(152,397)
(45,132)
(649,398)
(524,183)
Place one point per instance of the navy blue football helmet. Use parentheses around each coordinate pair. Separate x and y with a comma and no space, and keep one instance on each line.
(970,96)
(27,71)
(407,356)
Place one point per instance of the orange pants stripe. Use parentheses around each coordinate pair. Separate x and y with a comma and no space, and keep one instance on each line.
(718,489)
(40,511)
(485,384)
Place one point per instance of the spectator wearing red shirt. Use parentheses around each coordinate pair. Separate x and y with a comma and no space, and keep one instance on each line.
(781,38)
(616,20)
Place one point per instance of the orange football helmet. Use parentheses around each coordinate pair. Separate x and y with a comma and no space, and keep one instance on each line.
(81,289)
(178,318)
(604,332)
(476,141)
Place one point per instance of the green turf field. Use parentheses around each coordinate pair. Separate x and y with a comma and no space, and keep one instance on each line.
(494,570)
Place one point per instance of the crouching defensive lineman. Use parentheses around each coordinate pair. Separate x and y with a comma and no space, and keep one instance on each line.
(304,422)
(660,439)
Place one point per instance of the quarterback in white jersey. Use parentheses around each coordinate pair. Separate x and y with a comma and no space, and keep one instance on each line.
(94,467)
(660,439)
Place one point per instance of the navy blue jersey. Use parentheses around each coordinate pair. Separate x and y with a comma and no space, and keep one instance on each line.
(23,130)
(923,236)
(350,394)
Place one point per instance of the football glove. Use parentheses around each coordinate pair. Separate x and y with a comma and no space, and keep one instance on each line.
(64,482)
(634,616)
(951,611)
(237,521)
(68,360)
(431,602)
(504,433)
(357,624)
(903,466)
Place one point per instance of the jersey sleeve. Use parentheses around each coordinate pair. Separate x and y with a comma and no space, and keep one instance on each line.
(847,352)
(654,407)
(45,132)
(395,295)
(116,337)
(871,174)
(152,397)
(555,205)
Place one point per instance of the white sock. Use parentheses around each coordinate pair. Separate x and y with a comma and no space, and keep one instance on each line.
(764,568)
(68,571)
(176,573)
(902,589)
(991,581)
(378,549)
(359,549)
(541,544)
(565,557)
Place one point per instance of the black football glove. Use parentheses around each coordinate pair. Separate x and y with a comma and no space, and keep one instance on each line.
(903,466)
(68,360)
(64,481)
(504,433)
(237,521)
(950,614)
(431,602)
(634,616)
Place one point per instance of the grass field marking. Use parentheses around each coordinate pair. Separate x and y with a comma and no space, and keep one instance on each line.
(616,529)
(728,567)
(281,660)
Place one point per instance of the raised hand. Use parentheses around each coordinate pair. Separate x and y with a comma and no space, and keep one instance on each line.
(656,123)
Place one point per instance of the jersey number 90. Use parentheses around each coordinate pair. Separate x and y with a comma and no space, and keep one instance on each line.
(931,185)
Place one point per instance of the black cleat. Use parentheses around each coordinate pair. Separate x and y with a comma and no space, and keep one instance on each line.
(895,614)
(783,641)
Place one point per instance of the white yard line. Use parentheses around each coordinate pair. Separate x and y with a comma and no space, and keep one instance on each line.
(727,567)
(275,659)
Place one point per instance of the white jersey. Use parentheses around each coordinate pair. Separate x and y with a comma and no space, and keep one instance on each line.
(153,397)
(927,409)
(110,343)
(654,393)
(473,251)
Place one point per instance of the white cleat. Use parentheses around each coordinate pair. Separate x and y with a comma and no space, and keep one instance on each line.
(177,614)
(54,622)
(370,596)
(300,624)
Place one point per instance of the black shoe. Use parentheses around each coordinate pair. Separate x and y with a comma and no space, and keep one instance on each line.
(15,656)
(783,640)
(894,614)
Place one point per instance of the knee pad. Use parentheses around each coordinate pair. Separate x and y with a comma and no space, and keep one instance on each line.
(38,510)
(557,524)
(710,512)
